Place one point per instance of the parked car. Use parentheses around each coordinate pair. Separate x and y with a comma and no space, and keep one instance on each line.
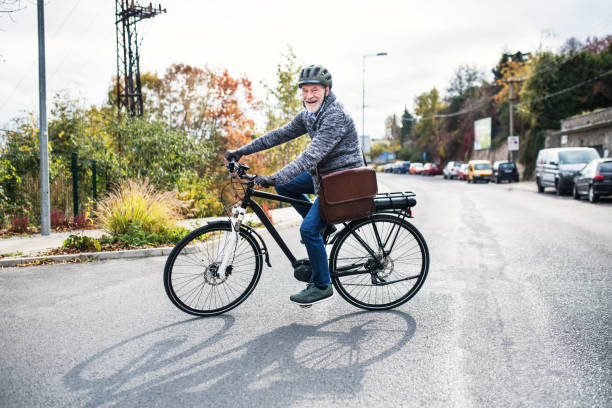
(505,170)
(479,170)
(405,167)
(388,168)
(556,167)
(416,168)
(462,173)
(431,169)
(401,167)
(594,180)
(451,170)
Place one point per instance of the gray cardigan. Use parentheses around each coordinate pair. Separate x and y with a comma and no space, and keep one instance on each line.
(334,142)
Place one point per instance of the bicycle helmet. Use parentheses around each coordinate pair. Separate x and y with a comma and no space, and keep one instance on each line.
(315,74)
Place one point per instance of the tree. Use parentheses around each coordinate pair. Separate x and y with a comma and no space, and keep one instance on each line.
(596,46)
(393,132)
(379,148)
(562,87)
(427,106)
(282,104)
(164,156)
(506,59)
(407,125)
(465,79)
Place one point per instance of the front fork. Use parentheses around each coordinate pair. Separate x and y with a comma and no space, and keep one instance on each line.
(231,239)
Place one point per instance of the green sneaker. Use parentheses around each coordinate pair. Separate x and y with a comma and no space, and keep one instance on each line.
(312,295)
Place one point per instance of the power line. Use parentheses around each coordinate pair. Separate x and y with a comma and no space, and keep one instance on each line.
(554,64)
(18,85)
(486,101)
(479,106)
(566,89)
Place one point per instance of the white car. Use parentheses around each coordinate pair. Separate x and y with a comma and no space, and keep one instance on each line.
(451,170)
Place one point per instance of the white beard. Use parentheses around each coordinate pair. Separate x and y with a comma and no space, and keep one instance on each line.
(313,108)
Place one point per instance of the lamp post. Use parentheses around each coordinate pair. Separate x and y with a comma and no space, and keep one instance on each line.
(379,54)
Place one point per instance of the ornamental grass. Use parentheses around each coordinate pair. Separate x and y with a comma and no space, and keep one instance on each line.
(136,204)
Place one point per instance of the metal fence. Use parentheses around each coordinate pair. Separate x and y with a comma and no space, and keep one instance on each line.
(74,186)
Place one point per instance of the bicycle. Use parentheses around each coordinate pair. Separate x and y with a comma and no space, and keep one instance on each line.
(216,267)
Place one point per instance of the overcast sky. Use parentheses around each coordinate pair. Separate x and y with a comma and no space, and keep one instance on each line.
(425,41)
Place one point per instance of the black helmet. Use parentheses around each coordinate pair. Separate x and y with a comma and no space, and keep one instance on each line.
(315,74)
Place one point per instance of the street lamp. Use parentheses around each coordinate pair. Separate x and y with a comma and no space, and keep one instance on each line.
(379,54)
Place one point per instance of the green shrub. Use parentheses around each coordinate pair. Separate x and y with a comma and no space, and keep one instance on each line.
(137,236)
(82,243)
(136,206)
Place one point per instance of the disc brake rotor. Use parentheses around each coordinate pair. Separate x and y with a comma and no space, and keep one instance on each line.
(387,266)
(212,276)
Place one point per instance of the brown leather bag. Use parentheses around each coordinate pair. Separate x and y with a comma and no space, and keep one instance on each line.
(347,195)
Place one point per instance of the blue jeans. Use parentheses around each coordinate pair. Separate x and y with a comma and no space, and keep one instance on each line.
(311,226)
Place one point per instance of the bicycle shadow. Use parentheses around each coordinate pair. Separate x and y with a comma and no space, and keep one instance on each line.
(287,364)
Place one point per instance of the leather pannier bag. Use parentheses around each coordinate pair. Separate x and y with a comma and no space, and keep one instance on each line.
(347,195)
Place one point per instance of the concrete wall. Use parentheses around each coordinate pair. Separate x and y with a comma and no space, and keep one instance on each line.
(501,153)
(600,138)
(588,119)
(590,130)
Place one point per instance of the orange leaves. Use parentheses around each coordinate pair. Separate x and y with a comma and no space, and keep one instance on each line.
(208,105)
(511,70)
(234,97)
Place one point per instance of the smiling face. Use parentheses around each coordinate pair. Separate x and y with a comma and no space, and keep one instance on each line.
(312,95)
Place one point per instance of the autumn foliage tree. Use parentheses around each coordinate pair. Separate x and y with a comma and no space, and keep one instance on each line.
(281,105)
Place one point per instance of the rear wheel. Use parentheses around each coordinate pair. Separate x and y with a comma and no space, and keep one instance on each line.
(192,276)
(558,189)
(593,197)
(379,263)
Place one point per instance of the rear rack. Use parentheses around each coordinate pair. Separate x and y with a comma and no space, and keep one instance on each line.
(397,201)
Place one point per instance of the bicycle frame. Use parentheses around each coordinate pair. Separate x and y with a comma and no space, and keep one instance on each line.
(248,202)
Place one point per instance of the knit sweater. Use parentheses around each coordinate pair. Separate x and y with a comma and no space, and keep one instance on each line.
(334,143)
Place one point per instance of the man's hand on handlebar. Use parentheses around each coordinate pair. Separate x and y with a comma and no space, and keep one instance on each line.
(239,170)
(264,181)
(233,155)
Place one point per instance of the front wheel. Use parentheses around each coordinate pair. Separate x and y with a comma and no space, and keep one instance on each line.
(379,263)
(193,278)
(540,186)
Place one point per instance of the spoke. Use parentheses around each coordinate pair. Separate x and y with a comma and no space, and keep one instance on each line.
(388,236)
(192,279)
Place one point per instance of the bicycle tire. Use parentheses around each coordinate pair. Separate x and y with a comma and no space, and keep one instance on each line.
(199,291)
(412,263)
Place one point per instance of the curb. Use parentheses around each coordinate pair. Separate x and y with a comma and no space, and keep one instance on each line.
(89,256)
(124,254)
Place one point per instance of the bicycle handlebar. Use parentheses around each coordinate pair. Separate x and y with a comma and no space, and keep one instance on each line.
(240,169)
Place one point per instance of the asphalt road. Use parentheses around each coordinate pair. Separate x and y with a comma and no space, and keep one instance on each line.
(516,311)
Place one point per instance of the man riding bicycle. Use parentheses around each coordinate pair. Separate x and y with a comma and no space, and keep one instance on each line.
(334,146)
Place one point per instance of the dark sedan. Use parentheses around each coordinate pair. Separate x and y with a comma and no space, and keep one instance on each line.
(594,180)
(504,170)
